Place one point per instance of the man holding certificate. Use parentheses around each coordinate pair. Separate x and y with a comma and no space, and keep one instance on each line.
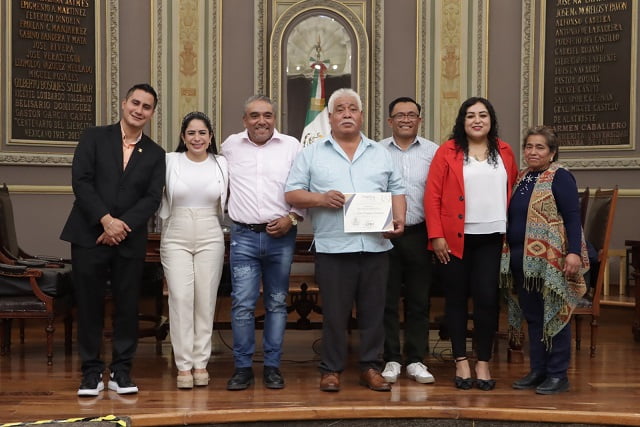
(356,200)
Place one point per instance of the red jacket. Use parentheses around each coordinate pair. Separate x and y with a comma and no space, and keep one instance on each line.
(444,205)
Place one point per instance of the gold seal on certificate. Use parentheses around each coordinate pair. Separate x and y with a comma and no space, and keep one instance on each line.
(367,213)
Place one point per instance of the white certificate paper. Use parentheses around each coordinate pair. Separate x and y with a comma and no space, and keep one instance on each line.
(367,213)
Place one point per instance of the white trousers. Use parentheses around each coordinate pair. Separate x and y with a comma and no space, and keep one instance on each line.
(192,254)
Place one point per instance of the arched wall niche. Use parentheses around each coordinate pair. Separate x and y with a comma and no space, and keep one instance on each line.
(313,41)
(285,24)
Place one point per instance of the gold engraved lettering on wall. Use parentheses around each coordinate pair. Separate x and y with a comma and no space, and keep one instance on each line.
(587,72)
(188,60)
(53,75)
(450,64)
(189,48)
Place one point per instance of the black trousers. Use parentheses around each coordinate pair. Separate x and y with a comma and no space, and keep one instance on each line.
(553,361)
(474,276)
(93,270)
(344,279)
(410,278)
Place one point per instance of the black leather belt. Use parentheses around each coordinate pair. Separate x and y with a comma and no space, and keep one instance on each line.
(415,228)
(257,228)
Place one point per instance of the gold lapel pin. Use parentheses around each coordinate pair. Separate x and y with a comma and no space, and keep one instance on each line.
(139,150)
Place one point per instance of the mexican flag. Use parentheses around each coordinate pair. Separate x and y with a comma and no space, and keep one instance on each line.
(316,124)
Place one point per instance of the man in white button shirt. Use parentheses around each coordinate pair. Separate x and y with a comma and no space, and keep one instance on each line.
(410,263)
(263,237)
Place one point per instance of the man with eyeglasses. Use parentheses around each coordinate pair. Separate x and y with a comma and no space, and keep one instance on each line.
(410,263)
(350,267)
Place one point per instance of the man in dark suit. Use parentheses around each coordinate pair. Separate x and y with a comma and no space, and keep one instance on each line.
(117,177)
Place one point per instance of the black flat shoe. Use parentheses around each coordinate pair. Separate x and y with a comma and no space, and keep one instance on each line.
(463,383)
(531,380)
(553,386)
(241,379)
(272,378)
(485,385)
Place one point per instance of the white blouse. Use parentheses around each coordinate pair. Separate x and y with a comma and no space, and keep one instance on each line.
(485,189)
(197,185)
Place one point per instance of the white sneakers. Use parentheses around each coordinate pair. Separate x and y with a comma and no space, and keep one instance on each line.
(415,371)
(391,372)
(419,372)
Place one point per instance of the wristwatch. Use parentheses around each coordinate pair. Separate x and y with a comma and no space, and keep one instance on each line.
(294,220)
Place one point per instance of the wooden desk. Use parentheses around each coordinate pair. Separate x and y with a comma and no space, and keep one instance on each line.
(153,248)
(303,291)
(635,262)
(155,324)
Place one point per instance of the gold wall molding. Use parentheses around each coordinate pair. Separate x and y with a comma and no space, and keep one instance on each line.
(188,55)
(453,48)
(260,47)
(35,159)
(527,49)
(602,163)
(453,41)
(47,190)
(159,35)
(185,66)
(113,59)
(377,81)
(424,65)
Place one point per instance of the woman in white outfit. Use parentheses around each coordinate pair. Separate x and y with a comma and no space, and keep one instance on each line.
(192,244)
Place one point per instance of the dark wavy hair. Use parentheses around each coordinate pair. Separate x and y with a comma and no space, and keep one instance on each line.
(196,115)
(548,134)
(459,135)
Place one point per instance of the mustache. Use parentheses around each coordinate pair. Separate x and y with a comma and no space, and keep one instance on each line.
(348,121)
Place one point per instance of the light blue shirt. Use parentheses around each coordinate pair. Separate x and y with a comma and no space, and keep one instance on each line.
(413,164)
(324,166)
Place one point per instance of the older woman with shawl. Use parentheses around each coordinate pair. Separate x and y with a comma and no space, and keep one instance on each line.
(544,261)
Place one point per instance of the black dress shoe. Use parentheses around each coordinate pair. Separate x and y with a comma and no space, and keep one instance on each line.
(485,385)
(241,379)
(272,378)
(553,385)
(531,380)
(463,383)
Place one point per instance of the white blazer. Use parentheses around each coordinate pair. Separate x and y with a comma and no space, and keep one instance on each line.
(173,172)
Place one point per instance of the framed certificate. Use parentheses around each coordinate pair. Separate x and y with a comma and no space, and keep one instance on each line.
(367,213)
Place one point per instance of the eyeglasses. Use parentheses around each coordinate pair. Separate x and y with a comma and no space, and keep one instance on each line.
(406,116)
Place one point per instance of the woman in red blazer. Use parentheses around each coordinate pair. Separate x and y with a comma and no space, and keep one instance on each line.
(465,203)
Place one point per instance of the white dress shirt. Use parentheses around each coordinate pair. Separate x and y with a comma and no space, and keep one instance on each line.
(257,175)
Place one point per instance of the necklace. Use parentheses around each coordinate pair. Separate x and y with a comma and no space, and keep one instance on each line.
(479,156)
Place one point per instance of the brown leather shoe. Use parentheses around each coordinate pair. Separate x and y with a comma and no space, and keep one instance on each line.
(372,379)
(330,381)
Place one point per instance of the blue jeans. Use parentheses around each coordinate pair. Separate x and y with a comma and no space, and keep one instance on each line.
(255,256)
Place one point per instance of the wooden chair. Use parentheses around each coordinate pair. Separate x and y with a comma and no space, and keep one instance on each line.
(8,236)
(31,293)
(30,287)
(597,230)
(583,198)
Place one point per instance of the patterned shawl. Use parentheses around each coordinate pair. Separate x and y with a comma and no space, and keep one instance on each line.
(545,247)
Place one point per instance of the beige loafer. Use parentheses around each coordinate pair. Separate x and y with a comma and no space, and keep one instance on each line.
(184,381)
(200,379)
